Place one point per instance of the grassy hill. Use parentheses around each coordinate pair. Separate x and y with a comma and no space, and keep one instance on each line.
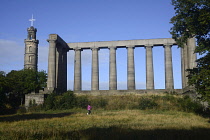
(113,117)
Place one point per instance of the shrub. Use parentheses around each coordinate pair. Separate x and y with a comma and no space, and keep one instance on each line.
(65,101)
(50,101)
(82,101)
(99,102)
(188,105)
(116,103)
(35,108)
(68,100)
(146,103)
(21,110)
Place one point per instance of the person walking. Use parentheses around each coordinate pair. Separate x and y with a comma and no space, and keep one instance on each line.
(89,109)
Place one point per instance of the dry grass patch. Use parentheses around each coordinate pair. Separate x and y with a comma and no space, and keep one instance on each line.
(108,124)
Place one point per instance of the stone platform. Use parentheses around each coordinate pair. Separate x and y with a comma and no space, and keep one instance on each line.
(126,92)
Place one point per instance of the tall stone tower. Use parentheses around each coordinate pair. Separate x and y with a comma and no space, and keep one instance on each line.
(31,48)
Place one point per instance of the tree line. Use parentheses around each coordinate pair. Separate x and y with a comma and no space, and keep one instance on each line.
(15,84)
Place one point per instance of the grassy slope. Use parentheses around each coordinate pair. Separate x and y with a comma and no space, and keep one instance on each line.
(132,124)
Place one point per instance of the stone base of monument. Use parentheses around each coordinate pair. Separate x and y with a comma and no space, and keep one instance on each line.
(127,92)
(37,98)
(34,98)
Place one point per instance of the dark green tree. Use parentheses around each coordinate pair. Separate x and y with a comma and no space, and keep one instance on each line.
(192,19)
(42,79)
(3,90)
(19,83)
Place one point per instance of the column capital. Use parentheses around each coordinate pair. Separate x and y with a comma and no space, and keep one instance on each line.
(130,46)
(94,48)
(112,47)
(77,49)
(168,44)
(52,40)
(148,46)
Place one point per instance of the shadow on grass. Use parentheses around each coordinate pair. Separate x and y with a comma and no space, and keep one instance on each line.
(115,133)
(32,116)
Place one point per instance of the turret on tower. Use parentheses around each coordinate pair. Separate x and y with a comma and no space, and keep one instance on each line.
(31,48)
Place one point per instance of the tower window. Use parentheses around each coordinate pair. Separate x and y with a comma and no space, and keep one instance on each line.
(31,59)
(30,48)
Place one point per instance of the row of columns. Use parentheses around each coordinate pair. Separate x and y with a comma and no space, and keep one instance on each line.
(169,83)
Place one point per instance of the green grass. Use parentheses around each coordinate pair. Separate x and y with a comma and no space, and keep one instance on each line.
(105,124)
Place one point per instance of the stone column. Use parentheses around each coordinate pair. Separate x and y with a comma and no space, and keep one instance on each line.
(112,69)
(130,68)
(58,81)
(169,81)
(149,67)
(186,63)
(65,69)
(77,70)
(183,68)
(51,80)
(191,45)
(95,70)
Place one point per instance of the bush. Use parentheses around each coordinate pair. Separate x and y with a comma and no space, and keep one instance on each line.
(146,103)
(35,108)
(116,103)
(82,101)
(50,101)
(21,110)
(65,101)
(68,100)
(188,105)
(99,102)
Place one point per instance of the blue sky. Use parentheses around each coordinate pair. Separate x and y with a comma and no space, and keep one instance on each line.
(89,20)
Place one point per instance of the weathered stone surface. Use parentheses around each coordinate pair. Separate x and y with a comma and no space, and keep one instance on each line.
(149,67)
(34,99)
(95,70)
(57,64)
(131,68)
(126,92)
(122,43)
(31,49)
(169,81)
(77,70)
(112,69)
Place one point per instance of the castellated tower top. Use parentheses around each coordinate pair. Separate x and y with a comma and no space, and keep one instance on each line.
(31,33)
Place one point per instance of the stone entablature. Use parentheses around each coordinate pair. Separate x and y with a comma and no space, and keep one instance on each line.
(122,43)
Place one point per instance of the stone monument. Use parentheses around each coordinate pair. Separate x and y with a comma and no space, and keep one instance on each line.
(31,48)
(30,62)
